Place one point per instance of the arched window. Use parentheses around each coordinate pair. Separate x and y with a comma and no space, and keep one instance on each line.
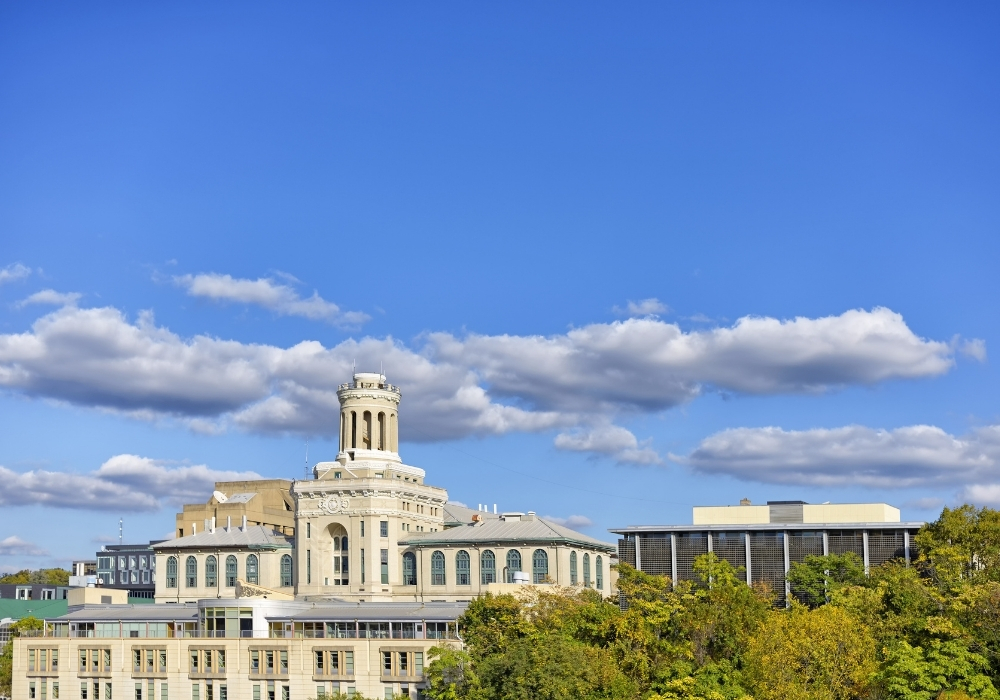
(253,576)
(191,574)
(599,570)
(171,572)
(488,567)
(573,578)
(463,569)
(286,570)
(211,571)
(409,569)
(437,568)
(539,566)
(513,564)
(586,571)
(230,571)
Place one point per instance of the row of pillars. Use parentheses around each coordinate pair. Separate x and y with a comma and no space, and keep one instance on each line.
(364,431)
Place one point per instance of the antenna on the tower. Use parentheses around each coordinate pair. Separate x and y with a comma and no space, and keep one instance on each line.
(307,460)
(119,531)
(380,368)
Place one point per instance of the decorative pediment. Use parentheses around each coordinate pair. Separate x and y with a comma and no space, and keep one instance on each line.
(250,590)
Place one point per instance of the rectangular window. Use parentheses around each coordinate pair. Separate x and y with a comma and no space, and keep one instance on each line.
(194,662)
(403,666)
(254,662)
(384,566)
(142,562)
(256,692)
(223,693)
(136,660)
(131,562)
(83,691)
(31,659)
(309,566)
(388,693)
(121,562)
(138,691)
(164,695)
(335,663)
(383,528)
(284,662)
(31,690)
(149,661)
(362,565)
(209,691)
(362,528)
(163,660)
(418,663)
(386,663)
(308,530)
(107,665)
(196,691)
(285,693)
(269,662)
(320,692)
(107,691)
(221,665)
(349,663)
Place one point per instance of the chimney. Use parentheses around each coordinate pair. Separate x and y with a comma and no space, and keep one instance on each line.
(479,507)
(244,523)
(494,509)
(744,501)
(213,524)
(530,515)
(206,524)
(194,528)
(229,523)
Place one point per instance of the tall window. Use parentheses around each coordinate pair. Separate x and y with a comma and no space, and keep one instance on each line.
(437,568)
(539,566)
(513,564)
(171,572)
(409,569)
(230,571)
(383,528)
(586,570)
(192,572)
(253,576)
(463,573)
(211,572)
(488,567)
(599,570)
(383,562)
(286,570)
(573,578)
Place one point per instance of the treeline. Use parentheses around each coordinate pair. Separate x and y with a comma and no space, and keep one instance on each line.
(51,577)
(926,631)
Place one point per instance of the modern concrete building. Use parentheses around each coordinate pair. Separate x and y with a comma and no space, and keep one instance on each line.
(766,540)
(266,502)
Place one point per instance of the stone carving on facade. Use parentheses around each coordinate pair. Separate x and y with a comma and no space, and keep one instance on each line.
(334,504)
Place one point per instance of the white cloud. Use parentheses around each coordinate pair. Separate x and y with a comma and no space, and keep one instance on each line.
(573,522)
(269,294)
(125,482)
(644,307)
(51,296)
(855,455)
(14,272)
(975,349)
(15,546)
(579,382)
(457,503)
(610,440)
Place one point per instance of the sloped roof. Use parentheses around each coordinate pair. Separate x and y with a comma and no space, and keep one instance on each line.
(240,498)
(498,530)
(454,514)
(253,537)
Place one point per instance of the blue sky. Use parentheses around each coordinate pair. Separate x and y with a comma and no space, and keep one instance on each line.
(621,260)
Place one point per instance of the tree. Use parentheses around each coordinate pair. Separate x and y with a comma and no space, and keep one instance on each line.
(962,546)
(814,579)
(917,673)
(803,654)
(450,674)
(49,577)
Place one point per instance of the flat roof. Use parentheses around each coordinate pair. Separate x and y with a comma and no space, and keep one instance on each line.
(748,527)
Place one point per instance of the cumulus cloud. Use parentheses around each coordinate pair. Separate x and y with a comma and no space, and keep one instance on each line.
(579,382)
(15,546)
(125,482)
(912,456)
(645,307)
(52,297)
(610,440)
(975,349)
(269,294)
(14,272)
(573,522)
